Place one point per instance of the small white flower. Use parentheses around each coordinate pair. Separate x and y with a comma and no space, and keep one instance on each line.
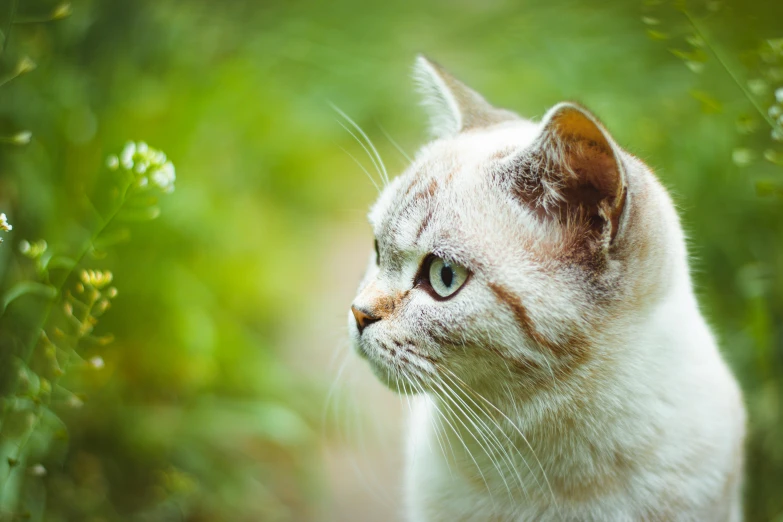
(113,162)
(779,94)
(758,86)
(96,362)
(141,167)
(22,138)
(37,471)
(164,177)
(4,224)
(142,148)
(775,111)
(126,157)
(74,402)
(62,11)
(25,65)
(742,157)
(33,250)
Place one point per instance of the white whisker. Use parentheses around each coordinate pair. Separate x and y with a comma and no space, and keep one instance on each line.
(516,428)
(396,145)
(379,165)
(494,442)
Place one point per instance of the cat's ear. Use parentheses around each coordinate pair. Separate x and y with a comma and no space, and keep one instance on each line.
(453,106)
(580,166)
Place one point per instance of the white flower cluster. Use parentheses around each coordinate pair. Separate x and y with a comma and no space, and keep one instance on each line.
(5,226)
(772,55)
(33,250)
(776,113)
(148,165)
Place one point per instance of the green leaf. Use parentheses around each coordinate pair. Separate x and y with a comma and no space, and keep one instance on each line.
(115,237)
(27,287)
(139,214)
(696,55)
(657,35)
(769,188)
(64,262)
(709,105)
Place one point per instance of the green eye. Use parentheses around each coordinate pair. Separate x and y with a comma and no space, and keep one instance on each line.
(446,278)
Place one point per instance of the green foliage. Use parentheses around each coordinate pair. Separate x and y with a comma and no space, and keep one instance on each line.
(187,400)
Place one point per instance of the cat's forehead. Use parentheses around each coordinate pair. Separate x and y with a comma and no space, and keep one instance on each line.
(450,165)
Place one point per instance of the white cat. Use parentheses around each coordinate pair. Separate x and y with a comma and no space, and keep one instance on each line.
(530,288)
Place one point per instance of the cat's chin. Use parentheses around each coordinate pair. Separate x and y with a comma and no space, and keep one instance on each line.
(391,378)
(395,384)
(389,374)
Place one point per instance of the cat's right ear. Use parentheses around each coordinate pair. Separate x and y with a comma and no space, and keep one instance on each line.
(453,107)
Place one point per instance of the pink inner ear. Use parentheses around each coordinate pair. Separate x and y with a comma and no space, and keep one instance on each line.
(591,185)
(593,164)
(585,170)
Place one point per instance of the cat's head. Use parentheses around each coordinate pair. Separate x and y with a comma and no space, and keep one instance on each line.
(509,249)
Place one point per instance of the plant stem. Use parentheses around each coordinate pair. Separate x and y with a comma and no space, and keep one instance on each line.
(701,33)
(7,34)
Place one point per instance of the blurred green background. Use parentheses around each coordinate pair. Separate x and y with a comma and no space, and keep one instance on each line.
(228,324)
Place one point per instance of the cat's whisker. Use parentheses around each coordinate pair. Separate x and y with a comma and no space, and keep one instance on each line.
(372,180)
(494,442)
(407,395)
(400,384)
(411,384)
(396,145)
(347,420)
(519,431)
(336,383)
(511,401)
(435,430)
(467,390)
(485,445)
(508,369)
(458,434)
(379,165)
(367,151)
(369,481)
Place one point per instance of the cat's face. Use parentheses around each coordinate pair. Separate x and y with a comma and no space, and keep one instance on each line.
(494,250)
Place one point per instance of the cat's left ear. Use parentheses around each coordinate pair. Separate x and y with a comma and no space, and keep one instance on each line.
(453,107)
(578,159)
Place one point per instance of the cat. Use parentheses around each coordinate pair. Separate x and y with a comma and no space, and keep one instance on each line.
(530,291)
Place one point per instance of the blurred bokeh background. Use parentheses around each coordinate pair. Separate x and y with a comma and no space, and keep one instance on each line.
(219,384)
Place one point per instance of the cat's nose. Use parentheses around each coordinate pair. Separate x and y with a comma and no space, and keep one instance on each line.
(363,318)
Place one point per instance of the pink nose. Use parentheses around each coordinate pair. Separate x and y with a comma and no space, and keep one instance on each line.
(363,318)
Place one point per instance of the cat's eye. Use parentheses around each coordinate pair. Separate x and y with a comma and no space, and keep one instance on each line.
(445,277)
(377,254)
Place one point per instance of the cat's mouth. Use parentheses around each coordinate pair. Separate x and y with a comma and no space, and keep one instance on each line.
(400,366)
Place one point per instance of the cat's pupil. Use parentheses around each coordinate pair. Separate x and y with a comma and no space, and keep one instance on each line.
(447,275)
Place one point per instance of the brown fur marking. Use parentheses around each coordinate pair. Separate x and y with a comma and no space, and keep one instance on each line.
(524,321)
(423,226)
